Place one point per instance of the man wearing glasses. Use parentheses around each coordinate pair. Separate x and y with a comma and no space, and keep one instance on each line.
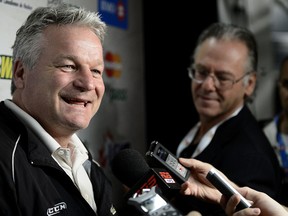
(223,78)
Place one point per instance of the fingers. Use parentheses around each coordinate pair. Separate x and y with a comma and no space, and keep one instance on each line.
(231,204)
(194,213)
(186,162)
(195,164)
(185,189)
(231,208)
(248,212)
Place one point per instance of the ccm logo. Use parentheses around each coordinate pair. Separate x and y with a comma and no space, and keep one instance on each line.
(56,208)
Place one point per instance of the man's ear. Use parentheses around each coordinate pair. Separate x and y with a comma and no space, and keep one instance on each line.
(251,84)
(18,74)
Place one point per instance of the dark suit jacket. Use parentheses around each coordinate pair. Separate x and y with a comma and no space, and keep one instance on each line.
(242,152)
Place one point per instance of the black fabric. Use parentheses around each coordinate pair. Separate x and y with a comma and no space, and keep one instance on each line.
(188,151)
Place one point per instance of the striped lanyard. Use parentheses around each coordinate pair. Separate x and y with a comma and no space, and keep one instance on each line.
(282,148)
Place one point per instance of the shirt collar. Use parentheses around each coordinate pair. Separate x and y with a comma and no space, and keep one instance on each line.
(48,140)
(206,139)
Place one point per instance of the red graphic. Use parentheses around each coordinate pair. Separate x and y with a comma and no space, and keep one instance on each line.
(149,184)
(165,175)
(120,11)
(112,65)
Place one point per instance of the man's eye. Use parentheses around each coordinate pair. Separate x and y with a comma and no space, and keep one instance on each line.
(202,73)
(67,68)
(223,78)
(96,72)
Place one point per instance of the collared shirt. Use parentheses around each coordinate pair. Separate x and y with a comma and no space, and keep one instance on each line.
(63,156)
(278,140)
(205,140)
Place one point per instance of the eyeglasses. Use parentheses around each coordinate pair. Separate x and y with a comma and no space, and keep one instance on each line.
(222,81)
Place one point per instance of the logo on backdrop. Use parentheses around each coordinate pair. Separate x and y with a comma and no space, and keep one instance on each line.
(113,71)
(20,4)
(112,65)
(114,12)
(5,67)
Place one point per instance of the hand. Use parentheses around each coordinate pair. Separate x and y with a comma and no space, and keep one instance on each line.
(262,204)
(197,184)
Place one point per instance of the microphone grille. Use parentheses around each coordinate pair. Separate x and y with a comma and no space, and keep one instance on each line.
(129,166)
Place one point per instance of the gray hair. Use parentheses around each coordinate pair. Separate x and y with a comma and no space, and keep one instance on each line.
(27,46)
(223,31)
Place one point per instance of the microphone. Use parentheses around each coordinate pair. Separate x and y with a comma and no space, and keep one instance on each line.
(130,167)
(153,204)
(148,186)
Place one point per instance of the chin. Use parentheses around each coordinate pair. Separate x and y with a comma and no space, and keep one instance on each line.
(78,125)
(208,113)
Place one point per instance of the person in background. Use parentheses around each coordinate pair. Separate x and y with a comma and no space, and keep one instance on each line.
(223,79)
(57,87)
(277,129)
(198,186)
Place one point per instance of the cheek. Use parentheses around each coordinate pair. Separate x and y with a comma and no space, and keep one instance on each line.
(33,83)
(100,88)
(193,87)
(45,87)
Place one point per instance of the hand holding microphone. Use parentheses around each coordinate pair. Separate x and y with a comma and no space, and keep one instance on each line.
(132,170)
(159,155)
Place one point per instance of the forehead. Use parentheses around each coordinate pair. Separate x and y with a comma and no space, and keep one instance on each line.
(223,54)
(65,32)
(71,40)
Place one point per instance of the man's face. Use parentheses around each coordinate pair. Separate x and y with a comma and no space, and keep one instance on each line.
(220,58)
(65,88)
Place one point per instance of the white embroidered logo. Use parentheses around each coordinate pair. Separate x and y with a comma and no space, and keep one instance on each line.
(56,208)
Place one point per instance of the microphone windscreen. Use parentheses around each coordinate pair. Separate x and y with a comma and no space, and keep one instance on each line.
(129,166)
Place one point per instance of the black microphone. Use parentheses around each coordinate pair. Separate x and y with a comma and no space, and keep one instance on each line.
(130,167)
(150,188)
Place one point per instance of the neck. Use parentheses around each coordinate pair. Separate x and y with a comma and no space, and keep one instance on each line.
(204,127)
(63,141)
(207,122)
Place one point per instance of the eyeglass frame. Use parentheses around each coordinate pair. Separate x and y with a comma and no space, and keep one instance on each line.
(233,82)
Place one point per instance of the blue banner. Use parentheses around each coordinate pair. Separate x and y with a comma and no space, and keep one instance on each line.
(114,12)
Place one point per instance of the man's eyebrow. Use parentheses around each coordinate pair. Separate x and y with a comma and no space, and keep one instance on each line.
(71,57)
(200,66)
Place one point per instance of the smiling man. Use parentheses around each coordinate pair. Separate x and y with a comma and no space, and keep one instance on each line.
(57,88)
(223,78)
